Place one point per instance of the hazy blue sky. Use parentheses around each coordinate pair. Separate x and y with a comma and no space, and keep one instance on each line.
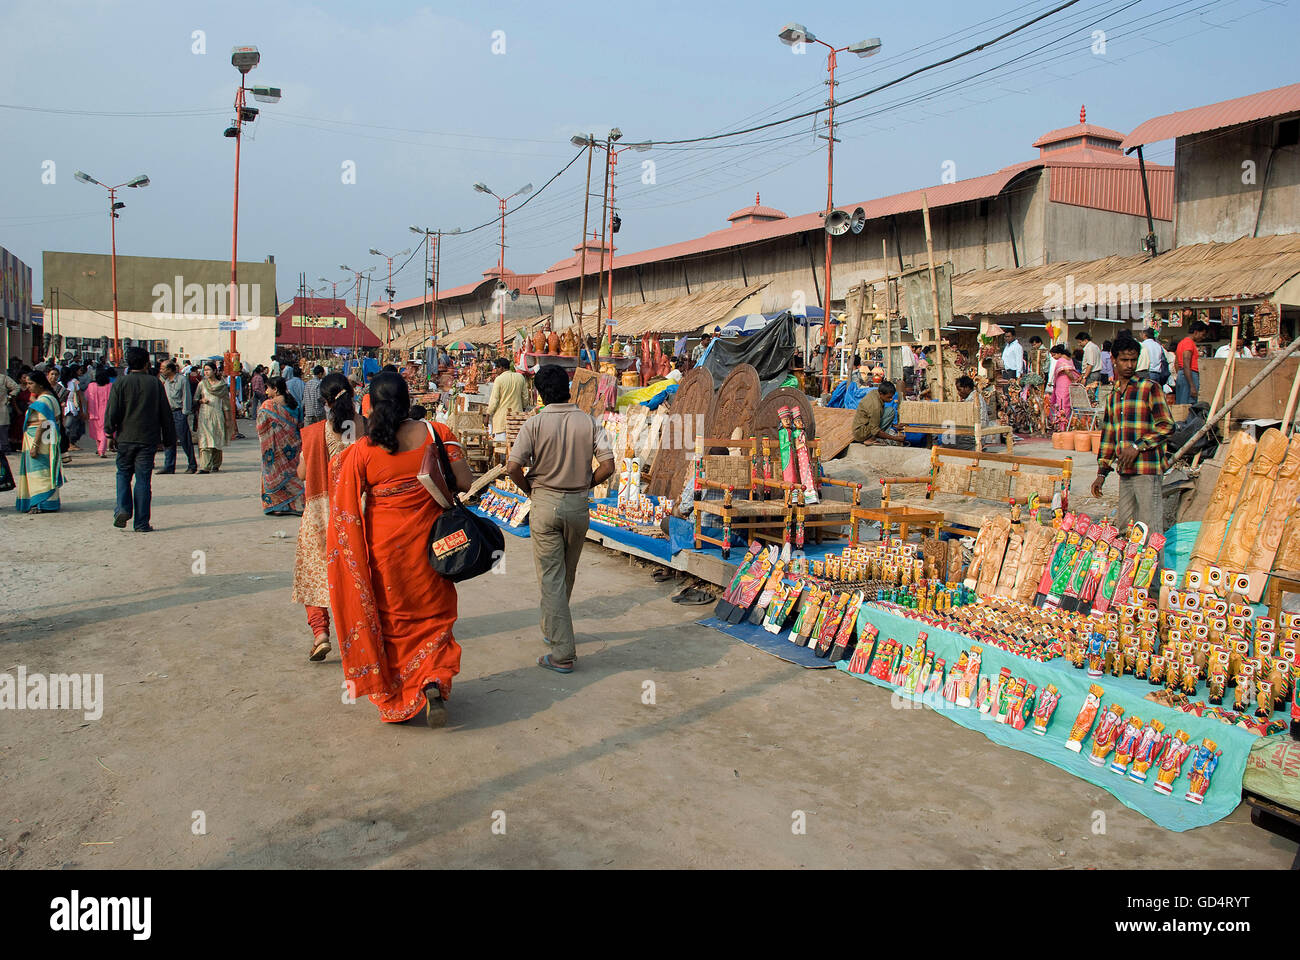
(415,97)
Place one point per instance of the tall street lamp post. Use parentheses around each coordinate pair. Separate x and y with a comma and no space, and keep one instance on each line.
(794,35)
(433,260)
(114,205)
(388,335)
(482,187)
(242,59)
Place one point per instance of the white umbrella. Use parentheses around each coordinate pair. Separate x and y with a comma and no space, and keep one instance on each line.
(744,325)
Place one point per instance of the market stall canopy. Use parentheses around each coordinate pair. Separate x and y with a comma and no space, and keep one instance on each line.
(1252,268)
(487,334)
(410,340)
(696,312)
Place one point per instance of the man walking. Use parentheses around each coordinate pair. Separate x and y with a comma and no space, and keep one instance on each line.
(139,414)
(557,445)
(178,397)
(313,408)
(1136,427)
(293,383)
(509,395)
(1091,359)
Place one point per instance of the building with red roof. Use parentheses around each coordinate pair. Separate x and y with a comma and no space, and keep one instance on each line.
(1238,165)
(1080,198)
(475,303)
(310,323)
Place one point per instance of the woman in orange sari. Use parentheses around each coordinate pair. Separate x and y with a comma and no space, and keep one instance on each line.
(322,442)
(393,614)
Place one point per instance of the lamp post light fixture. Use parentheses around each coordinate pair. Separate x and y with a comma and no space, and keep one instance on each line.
(114,205)
(243,59)
(388,314)
(482,187)
(793,34)
(356,331)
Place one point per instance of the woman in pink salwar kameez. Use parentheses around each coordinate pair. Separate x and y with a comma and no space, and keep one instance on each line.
(96,405)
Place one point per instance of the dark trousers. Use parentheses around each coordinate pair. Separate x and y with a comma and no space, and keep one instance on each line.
(183,440)
(135,460)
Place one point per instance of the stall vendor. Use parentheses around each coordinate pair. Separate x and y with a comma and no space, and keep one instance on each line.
(1133,435)
(873,423)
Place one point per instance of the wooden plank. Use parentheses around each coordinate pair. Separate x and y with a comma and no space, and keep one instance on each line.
(583,392)
(834,430)
(1265,402)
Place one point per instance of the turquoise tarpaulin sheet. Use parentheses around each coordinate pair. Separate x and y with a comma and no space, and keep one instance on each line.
(1171,812)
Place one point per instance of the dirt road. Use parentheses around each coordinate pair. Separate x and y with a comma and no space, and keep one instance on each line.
(220,745)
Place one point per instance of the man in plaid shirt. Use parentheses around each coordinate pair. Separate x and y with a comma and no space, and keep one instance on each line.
(1137,425)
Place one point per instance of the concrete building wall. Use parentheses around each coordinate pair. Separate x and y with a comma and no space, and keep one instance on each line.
(973,235)
(160,298)
(1082,233)
(1216,198)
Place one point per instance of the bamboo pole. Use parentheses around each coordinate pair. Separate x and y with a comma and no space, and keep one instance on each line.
(934,295)
(1228,371)
(1291,401)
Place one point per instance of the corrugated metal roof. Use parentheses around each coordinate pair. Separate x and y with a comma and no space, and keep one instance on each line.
(1115,188)
(1215,116)
(1078,130)
(523,282)
(945,194)
(289,335)
(1247,269)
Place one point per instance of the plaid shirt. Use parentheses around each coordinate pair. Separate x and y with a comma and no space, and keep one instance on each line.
(1136,413)
(313,407)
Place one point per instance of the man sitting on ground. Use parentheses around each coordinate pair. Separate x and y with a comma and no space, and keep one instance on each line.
(873,422)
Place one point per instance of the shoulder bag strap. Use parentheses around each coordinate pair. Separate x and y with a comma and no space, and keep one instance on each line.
(446,464)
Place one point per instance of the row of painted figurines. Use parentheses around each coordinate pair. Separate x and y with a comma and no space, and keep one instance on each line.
(562,344)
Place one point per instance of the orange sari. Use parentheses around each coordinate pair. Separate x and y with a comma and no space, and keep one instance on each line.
(393,614)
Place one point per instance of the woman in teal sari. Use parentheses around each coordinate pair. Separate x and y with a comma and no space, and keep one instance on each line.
(40,470)
(277,429)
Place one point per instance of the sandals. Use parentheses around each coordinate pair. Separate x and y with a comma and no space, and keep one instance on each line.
(693,597)
(559,666)
(320,650)
(663,575)
(435,708)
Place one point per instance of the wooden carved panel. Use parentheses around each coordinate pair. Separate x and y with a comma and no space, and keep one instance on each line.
(582,392)
(691,408)
(766,419)
(738,398)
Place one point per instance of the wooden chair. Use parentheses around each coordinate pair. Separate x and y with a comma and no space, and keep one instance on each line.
(472,432)
(766,511)
(1082,408)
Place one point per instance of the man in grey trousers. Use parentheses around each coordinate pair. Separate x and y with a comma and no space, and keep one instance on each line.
(557,446)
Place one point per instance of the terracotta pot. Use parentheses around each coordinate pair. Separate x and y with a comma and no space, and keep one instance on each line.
(1096,441)
(1083,441)
(1063,441)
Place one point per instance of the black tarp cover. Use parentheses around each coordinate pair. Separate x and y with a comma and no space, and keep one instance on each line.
(767,351)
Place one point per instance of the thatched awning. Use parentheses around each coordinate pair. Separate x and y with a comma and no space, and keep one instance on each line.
(702,310)
(1252,268)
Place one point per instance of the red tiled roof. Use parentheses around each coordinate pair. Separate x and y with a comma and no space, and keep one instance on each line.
(523,282)
(757,212)
(1078,130)
(289,335)
(1119,192)
(1215,116)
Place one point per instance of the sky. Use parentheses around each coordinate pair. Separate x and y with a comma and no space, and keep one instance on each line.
(391,111)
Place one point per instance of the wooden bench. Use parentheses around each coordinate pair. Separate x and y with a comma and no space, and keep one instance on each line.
(957,417)
(968,486)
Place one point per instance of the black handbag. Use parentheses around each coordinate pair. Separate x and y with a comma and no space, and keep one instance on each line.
(462,545)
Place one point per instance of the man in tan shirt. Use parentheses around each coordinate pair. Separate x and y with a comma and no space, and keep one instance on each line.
(557,445)
(509,395)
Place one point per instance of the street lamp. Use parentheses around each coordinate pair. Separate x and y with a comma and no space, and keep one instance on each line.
(793,34)
(388,336)
(431,265)
(243,59)
(356,331)
(114,205)
(482,187)
(609,224)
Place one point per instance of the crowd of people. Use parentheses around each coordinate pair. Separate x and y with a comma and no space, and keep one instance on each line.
(347,458)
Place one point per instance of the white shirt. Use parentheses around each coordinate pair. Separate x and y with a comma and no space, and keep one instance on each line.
(1013,357)
(1151,354)
(1092,357)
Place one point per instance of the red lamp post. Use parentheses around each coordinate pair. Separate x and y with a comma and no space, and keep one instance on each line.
(501,259)
(114,205)
(795,35)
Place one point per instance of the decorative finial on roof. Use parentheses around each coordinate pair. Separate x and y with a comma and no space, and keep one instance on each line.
(757,203)
(1083,114)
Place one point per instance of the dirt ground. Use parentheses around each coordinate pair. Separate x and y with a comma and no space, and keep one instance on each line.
(213,717)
